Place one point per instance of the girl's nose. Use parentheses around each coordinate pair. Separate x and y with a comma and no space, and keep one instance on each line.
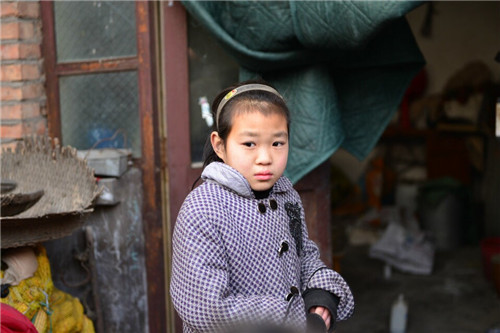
(264,156)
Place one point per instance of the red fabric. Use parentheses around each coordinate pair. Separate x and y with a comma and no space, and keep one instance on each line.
(13,321)
(415,90)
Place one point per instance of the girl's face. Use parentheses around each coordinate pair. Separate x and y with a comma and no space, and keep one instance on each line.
(257,146)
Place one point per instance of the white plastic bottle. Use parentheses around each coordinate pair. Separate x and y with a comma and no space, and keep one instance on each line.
(399,313)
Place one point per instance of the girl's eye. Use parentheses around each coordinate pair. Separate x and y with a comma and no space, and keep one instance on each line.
(278,144)
(249,144)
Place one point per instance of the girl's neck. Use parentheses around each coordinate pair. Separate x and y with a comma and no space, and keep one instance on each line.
(261,194)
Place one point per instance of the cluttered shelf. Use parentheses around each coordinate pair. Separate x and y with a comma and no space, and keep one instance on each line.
(448,149)
(397,132)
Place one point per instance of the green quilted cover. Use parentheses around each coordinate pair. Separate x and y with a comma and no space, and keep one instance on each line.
(342,66)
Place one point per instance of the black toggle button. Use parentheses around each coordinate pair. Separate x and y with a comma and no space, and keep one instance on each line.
(283,248)
(293,291)
(262,207)
(273,204)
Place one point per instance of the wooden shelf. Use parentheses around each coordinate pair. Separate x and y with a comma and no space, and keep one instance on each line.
(395,132)
(447,153)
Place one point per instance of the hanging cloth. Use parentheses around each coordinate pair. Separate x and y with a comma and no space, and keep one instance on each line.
(342,66)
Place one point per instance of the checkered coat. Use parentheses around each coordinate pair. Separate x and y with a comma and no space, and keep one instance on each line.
(229,260)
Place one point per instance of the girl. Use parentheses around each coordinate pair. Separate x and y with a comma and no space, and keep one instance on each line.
(241,253)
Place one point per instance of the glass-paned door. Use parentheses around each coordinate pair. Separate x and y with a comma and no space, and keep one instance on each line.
(96,106)
(94,30)
(101,69)
(96,61)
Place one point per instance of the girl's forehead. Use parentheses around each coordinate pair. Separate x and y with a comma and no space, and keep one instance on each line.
(258,122)
(256,115)
(262,107)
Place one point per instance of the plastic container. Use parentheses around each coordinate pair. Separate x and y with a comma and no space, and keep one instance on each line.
(399,314)
(490,246)
(442,207)
(406,196)
(444,222)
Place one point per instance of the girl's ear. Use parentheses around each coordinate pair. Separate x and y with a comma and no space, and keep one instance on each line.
(218,145)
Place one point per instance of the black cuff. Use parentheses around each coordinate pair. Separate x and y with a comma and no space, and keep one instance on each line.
(315,323)
(319,297)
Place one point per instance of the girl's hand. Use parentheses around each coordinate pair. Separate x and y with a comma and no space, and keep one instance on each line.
(324,313)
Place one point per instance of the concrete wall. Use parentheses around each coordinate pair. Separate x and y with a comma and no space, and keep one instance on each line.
(462,31)
(23,97)
(113,242)
(465,31)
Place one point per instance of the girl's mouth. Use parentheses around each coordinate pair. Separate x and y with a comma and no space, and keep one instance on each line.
(263,175)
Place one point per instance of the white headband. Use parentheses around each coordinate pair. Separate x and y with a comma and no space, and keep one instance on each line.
(239,90)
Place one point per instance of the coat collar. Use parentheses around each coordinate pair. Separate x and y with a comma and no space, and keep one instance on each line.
(225,175)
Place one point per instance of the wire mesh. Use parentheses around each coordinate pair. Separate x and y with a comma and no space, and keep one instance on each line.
(95,106)
(87,30)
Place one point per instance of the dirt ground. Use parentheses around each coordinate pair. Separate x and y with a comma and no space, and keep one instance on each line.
(456,297)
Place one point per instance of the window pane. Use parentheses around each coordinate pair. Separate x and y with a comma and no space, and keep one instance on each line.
(87,30)
(95,106)
(211,69)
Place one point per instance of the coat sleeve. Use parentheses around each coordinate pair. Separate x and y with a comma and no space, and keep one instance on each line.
(316,275)
(199,286)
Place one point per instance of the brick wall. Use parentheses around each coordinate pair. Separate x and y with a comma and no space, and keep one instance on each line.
(22,91)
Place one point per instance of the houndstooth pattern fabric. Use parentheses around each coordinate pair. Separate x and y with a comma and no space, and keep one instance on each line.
(227,265)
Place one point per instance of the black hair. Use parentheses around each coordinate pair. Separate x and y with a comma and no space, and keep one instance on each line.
(264,101)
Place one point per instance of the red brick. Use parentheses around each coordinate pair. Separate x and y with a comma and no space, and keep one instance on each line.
(30,72)
(29,9)
(9,112)
(18,72)
(10,51)
(8,8)
(42,127)
(11,131)
(17,30)
(26,91)
(11,72)
(21,111)
(11,93)
(20,51)
(34,90)
(38,126)
(9,30)
(31,110)
(26,30)
(23,128)
(25,9)
(30,51)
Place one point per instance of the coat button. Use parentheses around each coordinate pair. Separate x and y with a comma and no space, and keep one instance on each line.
(283,248)
(262,207)
(293,291)
(273,204)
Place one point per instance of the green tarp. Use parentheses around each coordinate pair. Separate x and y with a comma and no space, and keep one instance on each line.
(342,66)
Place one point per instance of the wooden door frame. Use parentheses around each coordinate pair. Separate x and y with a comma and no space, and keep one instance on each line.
(176,139)
(176,103)
(146,66)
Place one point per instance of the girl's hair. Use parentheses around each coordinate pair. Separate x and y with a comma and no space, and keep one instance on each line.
(263,101)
